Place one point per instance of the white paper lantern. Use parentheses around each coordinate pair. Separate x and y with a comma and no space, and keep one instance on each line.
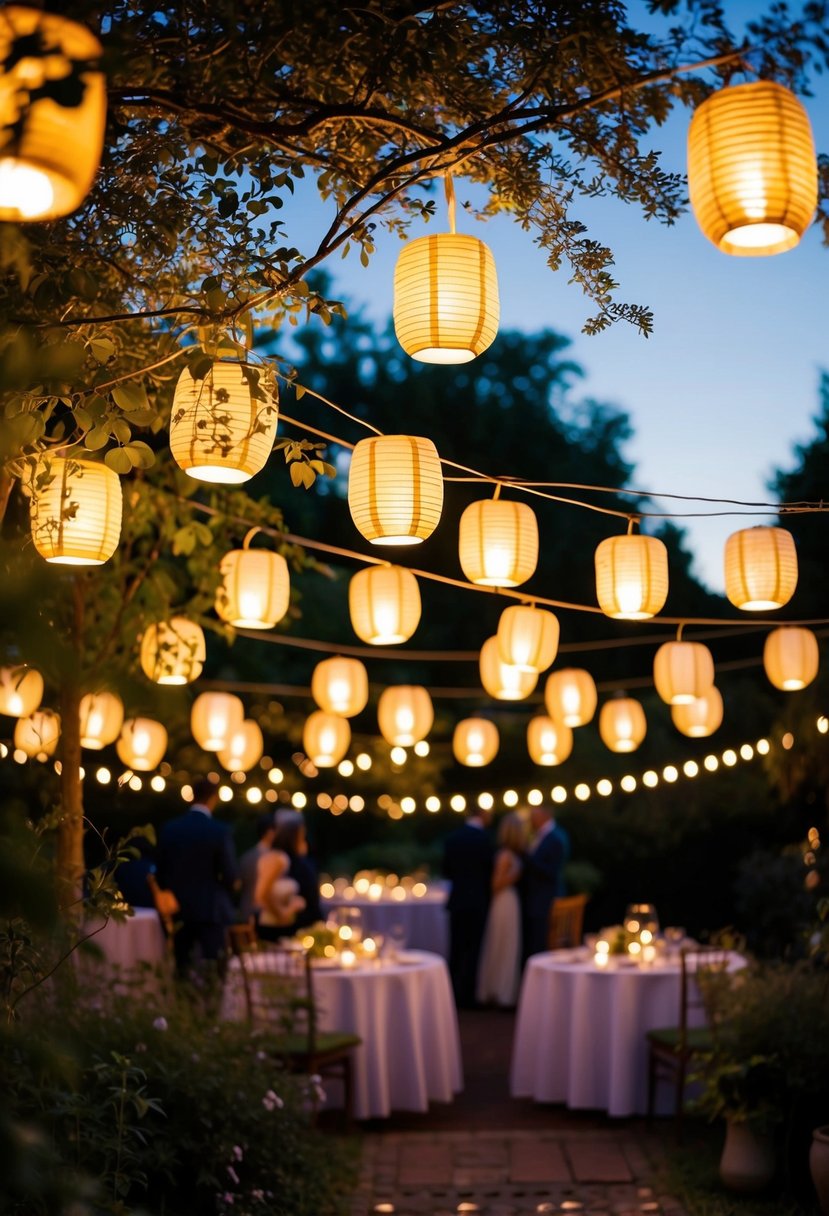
(340,686)
(219,432)
(75,510)
(498,543)
(682,671)
(501,680)
(405,714)
(528,637)
(102,716)
(548,742)
(631,576)
(702,717)
(214,718)
(760,568)
(37,735)
(475,742)
(622,724)
(173,652)
(142,744)
(244,748)
(255,591)
(570,696)
(395,489)
(384,603)
(325,738)
(791,657)
(21,691)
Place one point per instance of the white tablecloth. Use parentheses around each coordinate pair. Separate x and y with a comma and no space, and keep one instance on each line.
(424,919)
(139,939)
(405,1015)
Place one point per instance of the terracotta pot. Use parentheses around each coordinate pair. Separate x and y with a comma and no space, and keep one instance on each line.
(819,1167)
(747,1163)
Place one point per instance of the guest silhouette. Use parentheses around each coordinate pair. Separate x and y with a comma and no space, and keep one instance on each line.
(540,880)
(291,839)
(467,863)
(248,862)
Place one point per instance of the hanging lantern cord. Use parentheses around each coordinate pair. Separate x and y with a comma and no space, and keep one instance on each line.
(680,627)
(249,537)
(449,186)
(633,520)
(497,493)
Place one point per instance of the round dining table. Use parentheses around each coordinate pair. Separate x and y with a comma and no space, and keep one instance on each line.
(137,939)
(422,918)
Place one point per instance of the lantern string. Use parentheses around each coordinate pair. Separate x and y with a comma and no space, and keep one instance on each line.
(250,535)
(449,186)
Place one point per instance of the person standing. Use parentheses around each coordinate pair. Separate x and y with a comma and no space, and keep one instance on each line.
(467,863)
(499,972)
(249,862)
(542,875)
(291,839)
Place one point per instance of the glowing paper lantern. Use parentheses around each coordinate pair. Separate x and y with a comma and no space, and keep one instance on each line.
(244,748)
(255,590)
(570,696)
(214,718)
(218,431)
(498,543)
(502,680)
(405,714)
(682,671)
(395,489)
(340,686)
(173,652)
(475,742)
(49,153)
(760,568)
(622,724)
(76,513)
(548,742)
(790,657)
(384,602)
(102,716)
(702,717)
(325,738)
(142,744)
(37,735)
(631,576)
(21,691)
(752,170)
(528,637)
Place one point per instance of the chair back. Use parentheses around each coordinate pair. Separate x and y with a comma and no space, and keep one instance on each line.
(705,974)
(565,924)
(277,984)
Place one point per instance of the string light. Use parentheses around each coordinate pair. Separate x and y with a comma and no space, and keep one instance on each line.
(422,748)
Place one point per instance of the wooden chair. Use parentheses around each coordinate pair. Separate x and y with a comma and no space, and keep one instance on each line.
(565,923)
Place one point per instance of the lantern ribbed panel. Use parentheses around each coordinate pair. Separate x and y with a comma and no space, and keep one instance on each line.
(21,691)
(49,154)
(255,590)
(213,719)
(384,603)
(173,652)
(498,543)
(548,742)
(244,748)
(142,744)
(631,577)
(38,734)
(445,298)
(682,671)
(752,171)
(622,724)
(528,637)
(395,489)
(502,680)
(325,738)
(218,431)
(340,686)
(405,714)
(570,696)
(702,717)
(76,517)
(475,742)
(102,716)
(791,657)
(760,568)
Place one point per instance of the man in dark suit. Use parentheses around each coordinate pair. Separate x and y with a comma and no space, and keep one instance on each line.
(197,862)
(467,863)
(540,879)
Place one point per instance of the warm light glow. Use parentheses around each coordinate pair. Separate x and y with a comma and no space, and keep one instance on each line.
(788,741)
(253,795)
(510,797)
(37,734)
(486,802)
(357,803)
(535,797)
(604,787)
(746,752)
(135,783)
(75,511)
(363,761)
(457,802)
(398,756)
(405,714)
(729,758)
(384,603)
(276,776)
(218,431)
(141,744)
(498,543)
(702,717)
(21,691)
(528,637)
(631,576)
(340,686)
(345,768)
(475,742)
(760,568)
(711,763)
(173,652)
(670,773)
(244,748)
(299,800)
(101,719)
(422,748)
(582,791)
(628,783)
(407,805)
(158,784)
(214,719)
(650,779)
(622,724)
(558,793)
(326,738)
(433,803)
(548,742)
(822,725)
(255,591)
(187,793)
(395,489)
(570,696)
(501,680)
(790,657)
(763,747)
(690,768)
(103,776)
(682,671)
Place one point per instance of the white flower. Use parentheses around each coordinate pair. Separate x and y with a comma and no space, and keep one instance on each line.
(272,1101)
(160,1024)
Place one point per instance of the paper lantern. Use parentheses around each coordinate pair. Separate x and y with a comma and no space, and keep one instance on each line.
(395,489)
(255,590)
(142,744)
(102,716)
(244,748)
(570,696)
(752,171)
(214,718)
(37,735)
(325,738)
(475,742)
(622,724)
(21,691)
(218,431)
(76,514)
(49,153)
(173,652)
(527,637)
(760,568)
(682,671)
(384,602)
(405,714)
(548,742)
(340,686)
(631,576)
(498,543)
(790,657)
(702,717)
(501,680)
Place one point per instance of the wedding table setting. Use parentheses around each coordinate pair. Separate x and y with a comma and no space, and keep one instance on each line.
(413,907)
(137,939)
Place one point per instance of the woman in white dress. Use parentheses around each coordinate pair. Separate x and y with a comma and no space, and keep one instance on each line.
(276,896)
(499,970)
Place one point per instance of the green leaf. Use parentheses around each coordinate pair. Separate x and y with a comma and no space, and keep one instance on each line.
(118,460)
(296,473)
(130,396)
(97,438)
(140,454)
(102,349)
(121,430)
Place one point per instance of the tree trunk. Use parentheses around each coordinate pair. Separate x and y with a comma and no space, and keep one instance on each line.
(70,859)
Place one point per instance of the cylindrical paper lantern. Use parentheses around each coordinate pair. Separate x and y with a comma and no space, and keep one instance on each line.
(502,680)
(244,748)
(548,742)
(76,514)
(49,153)
(340,686)
(255,590)
(405,714)
(384,602)
(395,489)
(498,543)
(622,724)
(173,652)
(102,716)
(214,718)
(682,671)
(325,738)
(790,657)
(752,171)
(218,431)
(760,568)
(142,744)
(21,691)
(702,717)
(631,576)
(475,742)
(446,305)
(38,734)
(528,637)
(570,696)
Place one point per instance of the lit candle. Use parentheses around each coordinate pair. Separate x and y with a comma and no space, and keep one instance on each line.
(635,948)
(375,891)
(398,894)
(602,954)
(348,958)
(345,933)
(369,947)
(361,885)
(648,954)
(419,890)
